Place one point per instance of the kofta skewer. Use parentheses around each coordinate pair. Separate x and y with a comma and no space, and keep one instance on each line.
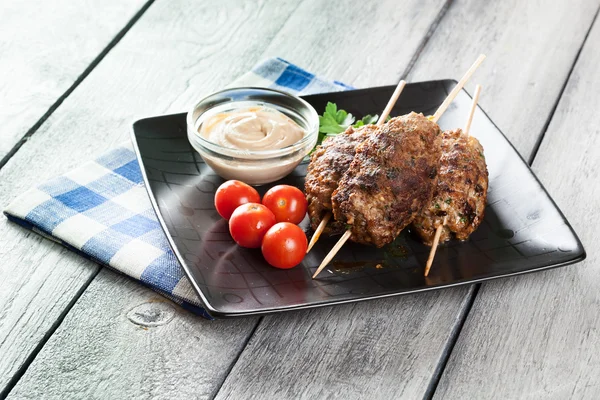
(321,200)
(389,181)
(440,227)
(386,111)
(460,193)
(315,203)
(443,107)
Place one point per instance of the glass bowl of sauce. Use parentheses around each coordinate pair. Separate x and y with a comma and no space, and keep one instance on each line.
(254,135)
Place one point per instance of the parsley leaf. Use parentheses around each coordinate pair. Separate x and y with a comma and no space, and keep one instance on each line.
(334,121)
(366,120)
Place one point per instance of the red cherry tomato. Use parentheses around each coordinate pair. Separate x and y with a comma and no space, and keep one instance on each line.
(288,203)
(249,223)
(284,245)
(232,194)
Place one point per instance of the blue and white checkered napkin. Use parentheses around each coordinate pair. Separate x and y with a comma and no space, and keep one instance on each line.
(101,210)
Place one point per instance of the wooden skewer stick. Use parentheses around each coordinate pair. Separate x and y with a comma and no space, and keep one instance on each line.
(438,231)
(438,114)
(436,240)
(442,109)
(333,252)
(472,111)
(318,231)
(386,111)
(391,102)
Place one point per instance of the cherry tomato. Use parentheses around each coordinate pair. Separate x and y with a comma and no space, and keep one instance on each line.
(232,194)
(288,203)
(284,245)
(249,223)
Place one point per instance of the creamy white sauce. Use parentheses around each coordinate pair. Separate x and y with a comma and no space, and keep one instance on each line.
(251,128)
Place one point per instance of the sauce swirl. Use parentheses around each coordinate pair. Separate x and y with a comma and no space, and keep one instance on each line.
(251,128)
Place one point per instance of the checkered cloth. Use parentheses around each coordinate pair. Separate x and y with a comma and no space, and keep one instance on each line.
(101,210)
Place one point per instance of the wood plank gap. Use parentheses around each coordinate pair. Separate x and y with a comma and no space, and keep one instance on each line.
(542,134)
(260,320)
(425,40)
(462,318)
(75,84)
(470,298)
(239,354)
(21,371)
(480,354)
(475,288)
(473,295)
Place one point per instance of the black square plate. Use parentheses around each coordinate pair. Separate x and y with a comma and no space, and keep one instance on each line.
(523,230)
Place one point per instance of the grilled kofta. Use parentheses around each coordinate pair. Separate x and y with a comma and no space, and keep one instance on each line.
(390,179)
(460,193)
(327,165)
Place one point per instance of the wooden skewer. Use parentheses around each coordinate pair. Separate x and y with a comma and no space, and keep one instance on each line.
(318,231)
(333,252)
(436,240)
(391,102)
(472,111)
(442,109)
(386,111)
(438,114)
(438,231)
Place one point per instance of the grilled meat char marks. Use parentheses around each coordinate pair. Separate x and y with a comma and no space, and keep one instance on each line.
(327,165)
(390,179)
(461,191)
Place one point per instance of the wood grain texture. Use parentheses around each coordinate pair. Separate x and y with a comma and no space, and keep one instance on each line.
(384,349)
(133,351)
(163,65)
(531,47)
(44,47)
(537,336)
(179,68)
(165,54)
(320,365)
(361,43)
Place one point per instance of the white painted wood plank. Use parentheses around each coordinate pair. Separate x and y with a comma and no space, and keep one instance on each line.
(536,336)
(384,349)
(364,44)
(531,47)
(44,47)
(166,53)
(142,346)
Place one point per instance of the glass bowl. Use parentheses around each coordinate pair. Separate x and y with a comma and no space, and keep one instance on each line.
(254,167)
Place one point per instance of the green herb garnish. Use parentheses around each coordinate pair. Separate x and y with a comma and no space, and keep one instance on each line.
(366,120)
(334,121)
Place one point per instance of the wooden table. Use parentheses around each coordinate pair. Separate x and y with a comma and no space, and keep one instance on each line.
(74,75)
